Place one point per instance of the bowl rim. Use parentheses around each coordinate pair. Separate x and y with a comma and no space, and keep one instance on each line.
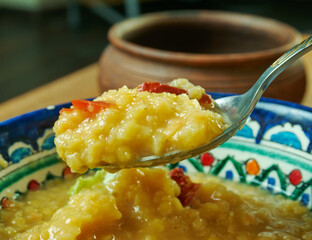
(49,111)
(215,95)
(117,31)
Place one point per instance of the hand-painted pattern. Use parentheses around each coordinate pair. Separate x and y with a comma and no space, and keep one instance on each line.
(273,151)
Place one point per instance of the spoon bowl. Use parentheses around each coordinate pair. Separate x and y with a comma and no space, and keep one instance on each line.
(236,110)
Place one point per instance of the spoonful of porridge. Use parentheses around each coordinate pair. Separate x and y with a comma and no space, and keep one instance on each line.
(156,123)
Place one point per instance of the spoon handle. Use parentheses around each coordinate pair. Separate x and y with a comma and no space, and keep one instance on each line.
(277,67)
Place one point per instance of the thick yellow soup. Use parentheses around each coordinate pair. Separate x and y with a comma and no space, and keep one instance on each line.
(123,125)
(139,204)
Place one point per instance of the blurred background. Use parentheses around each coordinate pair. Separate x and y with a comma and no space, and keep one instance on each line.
(42,40)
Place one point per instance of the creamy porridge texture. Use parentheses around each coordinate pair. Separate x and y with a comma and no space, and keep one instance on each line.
(123,125)
(154,204)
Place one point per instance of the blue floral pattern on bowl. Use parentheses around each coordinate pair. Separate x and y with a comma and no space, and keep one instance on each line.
(273,151)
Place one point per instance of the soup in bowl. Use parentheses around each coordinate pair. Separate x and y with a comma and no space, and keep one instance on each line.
(255,186)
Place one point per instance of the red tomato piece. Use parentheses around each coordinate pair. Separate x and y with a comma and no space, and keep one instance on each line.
(188,188)
(90,107)
(66,110)
(205,99)
(155,87)
(68,173)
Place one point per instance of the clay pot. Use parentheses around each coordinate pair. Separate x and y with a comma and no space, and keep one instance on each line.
(221,51)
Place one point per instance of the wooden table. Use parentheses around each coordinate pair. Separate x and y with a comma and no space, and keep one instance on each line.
(80,84)
(83,84)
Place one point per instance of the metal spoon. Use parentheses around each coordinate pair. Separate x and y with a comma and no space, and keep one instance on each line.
(236,108)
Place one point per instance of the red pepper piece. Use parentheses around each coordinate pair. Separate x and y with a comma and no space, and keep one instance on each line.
(90,107)
(205,99)
(155,87)
(66,110)
(68,173)
(188,188)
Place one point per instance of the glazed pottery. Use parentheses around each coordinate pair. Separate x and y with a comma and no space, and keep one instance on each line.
(221,51)
(273,151)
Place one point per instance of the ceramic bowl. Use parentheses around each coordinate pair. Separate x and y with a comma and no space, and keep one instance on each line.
(273,151)
(220,51)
